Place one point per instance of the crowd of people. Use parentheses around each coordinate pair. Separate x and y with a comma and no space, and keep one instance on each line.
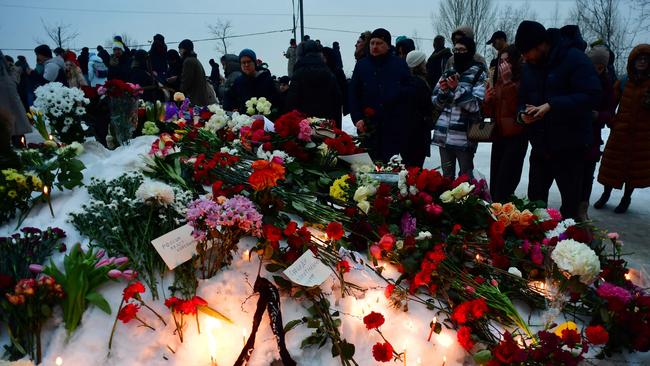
(548,90)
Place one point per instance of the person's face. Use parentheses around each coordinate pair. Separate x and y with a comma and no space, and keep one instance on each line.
(401,53)
(378,47)
(284,87)
(40,59)
(117,52)
(536,55)
(600,68)
(504,58)
(460,48)
(247,65)
(641,62)
(359,45)
(499,44)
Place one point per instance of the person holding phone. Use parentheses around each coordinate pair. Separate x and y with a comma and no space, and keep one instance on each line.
(559,89)
(458,96)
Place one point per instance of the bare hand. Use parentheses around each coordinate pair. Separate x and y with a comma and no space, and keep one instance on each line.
(452,81)
(443,85)
(361,126)
(538,112)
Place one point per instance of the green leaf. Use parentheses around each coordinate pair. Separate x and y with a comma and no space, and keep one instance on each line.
(98,300)
(313,323)
(483,356)
(213,313)
(282,282)
(347,349)
(292,324)
(298,206)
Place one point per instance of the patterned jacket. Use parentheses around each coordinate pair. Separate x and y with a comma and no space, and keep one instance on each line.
(459,108)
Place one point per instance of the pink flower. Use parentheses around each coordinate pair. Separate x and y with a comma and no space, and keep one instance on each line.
(114,274)
(387,242)
(35,268)
(608,291)
(277,160)
(100,253)
(554,214)
(433,209)
(494,283)
(536,254)
(121,260)
(305,130)
(101,90)
(613,236)
(470,290)
(129,275)
(102,263)
(375,251)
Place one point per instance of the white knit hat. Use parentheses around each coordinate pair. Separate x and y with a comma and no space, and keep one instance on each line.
(415,58)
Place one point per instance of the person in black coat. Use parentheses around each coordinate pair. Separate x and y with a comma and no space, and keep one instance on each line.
(379,95)
(142,74)
(337,55)
(558,91)
(103,54)
(341,79)
(215,75)
(83,61)
(419,134)
(314,90)
(252,83)
(174,69)
(158,57)
(438,60)
(119,67)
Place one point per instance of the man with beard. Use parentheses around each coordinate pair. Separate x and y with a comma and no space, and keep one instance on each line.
(558,91)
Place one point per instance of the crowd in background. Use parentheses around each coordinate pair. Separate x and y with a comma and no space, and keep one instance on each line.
(548,89)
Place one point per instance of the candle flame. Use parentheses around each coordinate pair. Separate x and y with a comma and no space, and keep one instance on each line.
(212,326)
(628,276)
(22,141)
(50,136)
(478,257)
(58,361)
(46,190)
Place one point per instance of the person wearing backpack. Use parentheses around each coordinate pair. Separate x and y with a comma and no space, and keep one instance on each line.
(558,91)
(97,70)
(626,160)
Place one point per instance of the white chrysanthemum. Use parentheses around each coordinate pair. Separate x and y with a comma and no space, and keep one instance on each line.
(578,259)
(423,235)
(514,271)
(155,191)
(401,182)
(542,214)
(561,227)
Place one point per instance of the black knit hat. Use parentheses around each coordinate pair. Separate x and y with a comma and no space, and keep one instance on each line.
(186,44)
(382,34)
(43,50)
(159,37)
(529,35)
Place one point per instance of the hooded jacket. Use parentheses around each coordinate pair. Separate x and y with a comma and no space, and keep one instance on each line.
(97,70)
(567,81)
(626,159)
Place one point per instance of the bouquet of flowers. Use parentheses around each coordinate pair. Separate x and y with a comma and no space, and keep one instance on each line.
(125,214)
(258,106)
(63,107)
(16,193)
(124,108)
(24,252)
(218,227)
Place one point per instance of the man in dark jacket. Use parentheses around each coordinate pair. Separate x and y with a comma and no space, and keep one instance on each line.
(158,57)
(119,67)
(252,83)
(559,89)
(83,61)
(103,54)
(438,60)
(379,96)
(314,90)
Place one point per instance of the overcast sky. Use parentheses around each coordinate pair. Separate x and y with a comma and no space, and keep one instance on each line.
(98,21)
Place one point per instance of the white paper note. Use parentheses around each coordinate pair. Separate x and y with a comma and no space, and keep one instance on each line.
(308,271)
(176,247)
(358,159)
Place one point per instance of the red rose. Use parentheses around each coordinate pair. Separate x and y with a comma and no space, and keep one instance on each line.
(343,266)
(267,146)
(464,336)
(570,337)
(128,313)
(387,242)
(389,290)
(382,352)
(133,291)
(334,231)
(373,320)
(596,334)
(508,351)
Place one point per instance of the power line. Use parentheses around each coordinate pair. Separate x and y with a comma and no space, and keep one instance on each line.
(176,42)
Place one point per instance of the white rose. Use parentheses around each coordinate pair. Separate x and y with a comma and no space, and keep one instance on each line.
(514,271)
(446,197)
(462,190)
(364,206)
(423,235)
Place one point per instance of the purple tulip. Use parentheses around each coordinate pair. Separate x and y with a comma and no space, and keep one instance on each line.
(102,263)
(121,260)
(129,275)
(35,268)
(100,253)
(115,273)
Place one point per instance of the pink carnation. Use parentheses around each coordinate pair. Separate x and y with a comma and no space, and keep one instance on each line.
(305,130)
(608,291)
(554,214)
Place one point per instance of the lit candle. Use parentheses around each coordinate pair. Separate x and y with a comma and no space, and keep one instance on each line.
(243,332)
(212,325)
(478,257)
(58,361)
(46,190)
(444,360)
(433,326)
(51,137)
(247,255)
(628,276)
(23,141)
(404,354)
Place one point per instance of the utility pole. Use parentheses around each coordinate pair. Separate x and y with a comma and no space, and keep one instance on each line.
(293,12)
(302,23)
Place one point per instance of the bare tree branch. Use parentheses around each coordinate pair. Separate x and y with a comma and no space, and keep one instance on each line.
(477,14)
(61,34)
(222,31)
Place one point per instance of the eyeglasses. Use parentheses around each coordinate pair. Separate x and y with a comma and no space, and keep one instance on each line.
(460,50)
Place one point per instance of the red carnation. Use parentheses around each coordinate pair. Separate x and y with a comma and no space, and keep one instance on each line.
(456,229)
(464,336)
(373,320)
(272,233)
(389,290)
(508,351)
(570,337)
(128,313)
(199,301)
(172,302)
(343,266)
(382,352)
(133,291)
(334,231)
(597,334)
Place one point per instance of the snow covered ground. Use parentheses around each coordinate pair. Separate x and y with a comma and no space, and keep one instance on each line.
(229,293)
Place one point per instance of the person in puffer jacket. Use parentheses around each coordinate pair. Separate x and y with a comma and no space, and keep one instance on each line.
(459,95)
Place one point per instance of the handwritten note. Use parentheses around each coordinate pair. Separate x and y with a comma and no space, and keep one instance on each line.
(176,247)
(308,271)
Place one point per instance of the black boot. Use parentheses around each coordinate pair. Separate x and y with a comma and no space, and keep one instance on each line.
(602,200)
(623,205)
